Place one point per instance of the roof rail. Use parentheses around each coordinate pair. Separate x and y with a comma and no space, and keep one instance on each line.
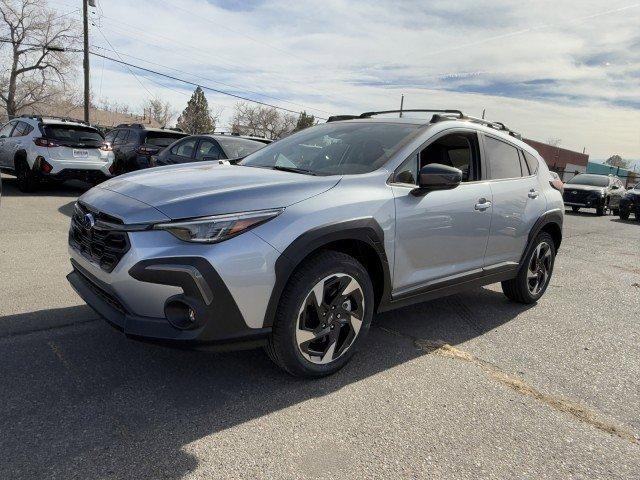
(337,118)
(431,110)
(495,125)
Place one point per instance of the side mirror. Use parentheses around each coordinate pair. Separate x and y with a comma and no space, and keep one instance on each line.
(436,176)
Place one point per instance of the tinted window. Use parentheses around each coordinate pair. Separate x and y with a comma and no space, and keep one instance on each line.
(532,163)
(21,129)
(121,136)
(335,148)
(239,147)
(209,148)
(6,130)
(593,180)
(184,149)
(162,139)
(504,161)
(72,133)
(455,150)
(111,135)
(407,172)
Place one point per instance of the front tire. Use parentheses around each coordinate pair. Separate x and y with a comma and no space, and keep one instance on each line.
(624,214)
(534,273)
(323,316)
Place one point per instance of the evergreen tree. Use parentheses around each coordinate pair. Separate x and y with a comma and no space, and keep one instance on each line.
(196,118)
(304,121)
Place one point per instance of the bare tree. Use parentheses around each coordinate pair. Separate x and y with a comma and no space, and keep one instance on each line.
(617,161)
(554,142)
(261,121)
(159,111)
(36,64)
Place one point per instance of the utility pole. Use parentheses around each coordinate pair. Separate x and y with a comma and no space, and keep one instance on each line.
(401,104)
(483,112)
(85,63)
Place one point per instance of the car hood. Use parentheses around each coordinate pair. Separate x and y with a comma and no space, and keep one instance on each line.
(208,188)
(584,188)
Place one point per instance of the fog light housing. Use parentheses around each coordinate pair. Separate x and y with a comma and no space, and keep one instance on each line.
(181,314)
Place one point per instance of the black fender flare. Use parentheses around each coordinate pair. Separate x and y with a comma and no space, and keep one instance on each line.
(552,217)
(365,230)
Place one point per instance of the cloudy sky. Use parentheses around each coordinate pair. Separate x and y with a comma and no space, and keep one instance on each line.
(549,69)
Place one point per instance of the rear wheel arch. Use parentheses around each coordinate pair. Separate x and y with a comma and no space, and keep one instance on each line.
(362,239)
(550,222)
(20,156)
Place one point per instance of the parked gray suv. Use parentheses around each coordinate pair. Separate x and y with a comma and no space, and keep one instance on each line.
(296,246)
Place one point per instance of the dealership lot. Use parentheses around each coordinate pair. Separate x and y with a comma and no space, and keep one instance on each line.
(469,385)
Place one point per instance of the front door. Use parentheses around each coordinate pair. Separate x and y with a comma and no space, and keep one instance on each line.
(441,236)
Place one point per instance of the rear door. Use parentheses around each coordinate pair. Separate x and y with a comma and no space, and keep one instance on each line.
(517,202)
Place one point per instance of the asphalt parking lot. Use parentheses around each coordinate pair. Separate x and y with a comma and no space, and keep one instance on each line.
(469,386)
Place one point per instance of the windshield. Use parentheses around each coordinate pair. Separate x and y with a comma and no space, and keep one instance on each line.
(335,148)
(73,134)
(238,147)
(162,139)
(593,180)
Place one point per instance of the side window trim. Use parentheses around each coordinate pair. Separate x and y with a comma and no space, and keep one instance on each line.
(478,163)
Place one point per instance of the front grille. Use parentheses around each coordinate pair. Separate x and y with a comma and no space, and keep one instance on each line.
(579,196)
(104,247)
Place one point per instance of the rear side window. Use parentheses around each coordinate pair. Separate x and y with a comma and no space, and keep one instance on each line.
(121,136)
(22,129)
(72,133)
(209,148)
(504,161)
(532,163)
(111,135)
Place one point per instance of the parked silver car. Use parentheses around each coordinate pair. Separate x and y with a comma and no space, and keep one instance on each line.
(298,245)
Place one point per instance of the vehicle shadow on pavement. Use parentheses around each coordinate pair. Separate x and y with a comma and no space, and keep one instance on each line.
(83,401)
(68,189)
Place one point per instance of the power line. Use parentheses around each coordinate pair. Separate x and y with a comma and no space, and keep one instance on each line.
(171,77)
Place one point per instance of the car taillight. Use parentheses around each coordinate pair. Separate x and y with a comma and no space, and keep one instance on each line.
(557,184)
(112,169)
(45,142)
(43,165)
(106,147)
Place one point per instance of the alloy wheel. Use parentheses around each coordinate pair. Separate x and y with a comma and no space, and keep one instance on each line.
(330,318)
(539,269)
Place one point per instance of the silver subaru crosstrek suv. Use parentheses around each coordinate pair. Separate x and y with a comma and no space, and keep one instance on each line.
(296,246)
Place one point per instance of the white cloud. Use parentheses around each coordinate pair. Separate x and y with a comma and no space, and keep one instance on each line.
(549,69)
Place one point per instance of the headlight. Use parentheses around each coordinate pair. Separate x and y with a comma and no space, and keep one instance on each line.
(217,228)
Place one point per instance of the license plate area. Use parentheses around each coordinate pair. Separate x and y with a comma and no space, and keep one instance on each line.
(80,153)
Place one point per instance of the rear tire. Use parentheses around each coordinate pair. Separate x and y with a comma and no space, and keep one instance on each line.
(27,182)
(314,340)
(575,209)
(624,214)
(535,272)
(615,211)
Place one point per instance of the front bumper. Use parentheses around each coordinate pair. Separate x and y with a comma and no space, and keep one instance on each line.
(589,202)
(219,323)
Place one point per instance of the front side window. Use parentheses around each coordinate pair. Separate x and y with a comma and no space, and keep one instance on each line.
(588,179)
(209,149)
(504,161)
(455,150)
(335,148)
(239,147)
(184,149)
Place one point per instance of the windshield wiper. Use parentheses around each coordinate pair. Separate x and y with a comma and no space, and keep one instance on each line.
(294,170)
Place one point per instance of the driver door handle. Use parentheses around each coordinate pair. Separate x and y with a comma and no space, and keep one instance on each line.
(533,193)
(482,204)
